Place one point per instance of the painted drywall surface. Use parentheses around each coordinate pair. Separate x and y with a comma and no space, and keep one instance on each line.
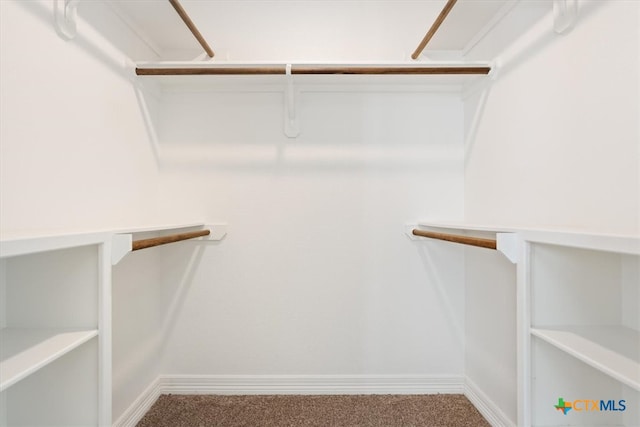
(138,312)
(490,327)
(558,136)
(316,275)
(75,156)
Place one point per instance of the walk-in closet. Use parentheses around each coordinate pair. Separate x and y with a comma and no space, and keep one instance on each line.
(369,200)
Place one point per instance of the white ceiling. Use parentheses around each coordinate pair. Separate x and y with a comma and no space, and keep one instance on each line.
(302,30)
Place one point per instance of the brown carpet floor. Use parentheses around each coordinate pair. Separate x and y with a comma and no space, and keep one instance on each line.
(437,410)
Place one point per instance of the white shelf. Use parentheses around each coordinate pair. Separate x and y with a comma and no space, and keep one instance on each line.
(23,245)
(319,82)
(467,23)
(613,350)
(465,226)
(625,244)
(24,350)
(160,227)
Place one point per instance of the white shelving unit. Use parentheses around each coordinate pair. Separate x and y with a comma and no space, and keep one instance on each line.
(578,322)
(579,313)
(55,323)
(55,366)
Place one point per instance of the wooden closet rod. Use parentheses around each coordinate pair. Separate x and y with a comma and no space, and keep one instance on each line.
(157,241)
(434,27)
(192,27)
(212,71)
(473,241)
(313,69)
(306,69)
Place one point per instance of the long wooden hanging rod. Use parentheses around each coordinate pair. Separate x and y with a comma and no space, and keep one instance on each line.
(157,241)
(192,27)
(434,28)
(216,71)
(314,69)
(305,69)
(473,241)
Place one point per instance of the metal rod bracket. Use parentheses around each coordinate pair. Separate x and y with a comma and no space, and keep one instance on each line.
(65,18)
(120,246)
(565,14)
(291,128)
(508,245)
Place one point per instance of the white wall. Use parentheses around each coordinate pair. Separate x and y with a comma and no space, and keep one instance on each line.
(316,275)
(75,156)
(557,143)
(553,142)
(490,328)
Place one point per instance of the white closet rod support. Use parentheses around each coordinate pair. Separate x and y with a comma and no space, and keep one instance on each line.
(65,14)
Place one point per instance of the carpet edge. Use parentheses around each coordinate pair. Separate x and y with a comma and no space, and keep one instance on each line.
(288,384)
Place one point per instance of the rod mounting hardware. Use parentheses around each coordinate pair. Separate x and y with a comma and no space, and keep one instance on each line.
(120,246)
(291,128)
(65,14)
(565,14)
(508,245)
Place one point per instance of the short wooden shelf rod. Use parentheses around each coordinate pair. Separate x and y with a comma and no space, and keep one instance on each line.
(434,27)
(473,241)
(157,241)
(192,27)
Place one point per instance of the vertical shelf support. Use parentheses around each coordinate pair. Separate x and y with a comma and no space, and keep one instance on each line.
(105,346)
(291,128)
(65,14)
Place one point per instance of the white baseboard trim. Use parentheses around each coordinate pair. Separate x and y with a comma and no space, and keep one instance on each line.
(288,384)
(492,413)
(134,413)
(311,384)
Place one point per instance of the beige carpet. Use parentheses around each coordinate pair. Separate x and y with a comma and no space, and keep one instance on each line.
(438,410)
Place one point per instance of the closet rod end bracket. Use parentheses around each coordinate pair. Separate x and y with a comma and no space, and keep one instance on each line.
(218,231)
(565,14)
(507,245)
(121,245)
(65,17)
